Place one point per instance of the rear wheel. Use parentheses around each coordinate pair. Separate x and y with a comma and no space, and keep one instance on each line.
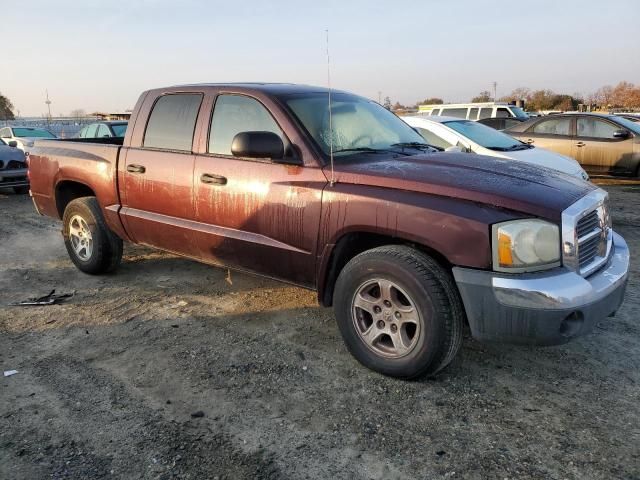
(399,312)
(91,245)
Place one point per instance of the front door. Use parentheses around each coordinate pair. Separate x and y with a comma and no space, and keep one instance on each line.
(597,148)
(255,214)
(158,177)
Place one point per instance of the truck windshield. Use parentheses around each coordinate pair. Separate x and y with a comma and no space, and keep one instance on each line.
(32,132)
(486,137)
(357,124)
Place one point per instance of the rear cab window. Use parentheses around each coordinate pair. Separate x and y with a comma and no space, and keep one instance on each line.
(172,122)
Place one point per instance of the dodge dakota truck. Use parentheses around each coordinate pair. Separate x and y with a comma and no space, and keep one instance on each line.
(330,191)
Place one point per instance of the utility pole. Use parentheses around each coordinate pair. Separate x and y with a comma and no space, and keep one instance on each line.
(495,89)
(379,97)
(48,102)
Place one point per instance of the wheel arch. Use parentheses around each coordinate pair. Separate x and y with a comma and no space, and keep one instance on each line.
(68,190)
(353,243)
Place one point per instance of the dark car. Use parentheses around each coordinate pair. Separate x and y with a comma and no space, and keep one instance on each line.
(103,130)
(500,123)
(13,168)
(600,143)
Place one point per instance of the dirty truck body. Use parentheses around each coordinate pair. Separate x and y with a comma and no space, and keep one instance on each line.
(407,243)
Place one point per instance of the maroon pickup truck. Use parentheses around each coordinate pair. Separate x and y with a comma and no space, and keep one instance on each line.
(408,243)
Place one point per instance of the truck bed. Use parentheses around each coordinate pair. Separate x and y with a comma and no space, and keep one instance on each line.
(58,164)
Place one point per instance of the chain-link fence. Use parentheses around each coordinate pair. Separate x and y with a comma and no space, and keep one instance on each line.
(63,127)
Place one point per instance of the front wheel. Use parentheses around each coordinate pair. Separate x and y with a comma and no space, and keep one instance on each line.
(399,312)
(91,245)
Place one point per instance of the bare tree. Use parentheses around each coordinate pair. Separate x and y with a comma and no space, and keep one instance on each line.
(6,108)
(78,113)
(484,96)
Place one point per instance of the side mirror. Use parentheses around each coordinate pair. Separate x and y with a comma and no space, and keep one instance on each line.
(257,145)
(454,148)
(13,143)
(621,134)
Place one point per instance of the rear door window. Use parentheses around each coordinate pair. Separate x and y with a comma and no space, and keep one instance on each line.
(473,113)
(553,126)
(173,121)
(485,113)
(454,112)
(234,114)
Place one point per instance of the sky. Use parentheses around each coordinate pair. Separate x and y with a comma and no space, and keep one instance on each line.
(101,54)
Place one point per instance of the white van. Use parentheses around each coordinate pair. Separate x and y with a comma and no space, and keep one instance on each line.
(475,111)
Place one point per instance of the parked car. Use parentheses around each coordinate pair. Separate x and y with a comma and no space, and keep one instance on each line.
(632,117)
(475,111)
(473,137)
(103,130)
(500,123)
(13,168)
(600,143)
(24,136)
(407,243)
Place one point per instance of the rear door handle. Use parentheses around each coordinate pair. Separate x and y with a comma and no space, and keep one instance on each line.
(580,144)
(211,179)
(136,168)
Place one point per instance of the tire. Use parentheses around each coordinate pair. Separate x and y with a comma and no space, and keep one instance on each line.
(414,282)
(103,251)
(21,190)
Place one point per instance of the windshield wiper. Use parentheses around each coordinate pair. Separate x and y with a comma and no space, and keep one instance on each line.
(370,150)
(416,145)
(522,146)
(360,149)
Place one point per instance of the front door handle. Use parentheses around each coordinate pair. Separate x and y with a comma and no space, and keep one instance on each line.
(136,168)
(211,179)
(580,144)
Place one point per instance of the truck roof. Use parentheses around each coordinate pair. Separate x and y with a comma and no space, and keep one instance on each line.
(272,88)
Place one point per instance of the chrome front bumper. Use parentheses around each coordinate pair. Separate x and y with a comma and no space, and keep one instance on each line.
(543,308)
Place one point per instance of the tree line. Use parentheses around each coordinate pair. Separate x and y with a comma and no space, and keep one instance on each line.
(624,95)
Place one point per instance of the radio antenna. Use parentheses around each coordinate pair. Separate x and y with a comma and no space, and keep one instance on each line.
(332,181)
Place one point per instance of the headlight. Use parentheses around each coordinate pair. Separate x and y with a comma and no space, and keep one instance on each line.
(585,175)
(525,246)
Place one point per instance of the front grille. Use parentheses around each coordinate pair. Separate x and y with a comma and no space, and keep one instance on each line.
(592,232)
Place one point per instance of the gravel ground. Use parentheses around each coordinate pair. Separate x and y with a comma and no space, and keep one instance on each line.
(172,369)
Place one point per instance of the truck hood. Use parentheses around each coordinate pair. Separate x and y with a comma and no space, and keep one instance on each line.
(503,183)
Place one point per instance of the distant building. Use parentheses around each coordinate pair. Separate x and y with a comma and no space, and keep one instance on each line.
(112,115)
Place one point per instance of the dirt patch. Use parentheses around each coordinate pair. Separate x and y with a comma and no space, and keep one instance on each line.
(109,381)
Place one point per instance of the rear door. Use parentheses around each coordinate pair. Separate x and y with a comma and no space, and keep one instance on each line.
(553,133)
(158,176)
(255,214)
(598,150)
